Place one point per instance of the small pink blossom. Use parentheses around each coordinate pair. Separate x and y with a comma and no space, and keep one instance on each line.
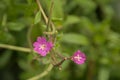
(42,46)
(79,57)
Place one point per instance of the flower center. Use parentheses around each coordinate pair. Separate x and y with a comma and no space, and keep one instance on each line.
(78,57)
(42,46)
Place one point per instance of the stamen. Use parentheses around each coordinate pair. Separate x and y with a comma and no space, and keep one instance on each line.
(78,57)
(42,46)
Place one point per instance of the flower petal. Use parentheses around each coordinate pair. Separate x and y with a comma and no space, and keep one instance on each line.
(79,57)
(38,46)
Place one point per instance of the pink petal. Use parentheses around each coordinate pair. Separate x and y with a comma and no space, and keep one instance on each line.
(35,44)
(41,39)
(79,57)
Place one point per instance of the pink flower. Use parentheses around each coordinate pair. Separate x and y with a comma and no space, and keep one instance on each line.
(79,57)
(42,46)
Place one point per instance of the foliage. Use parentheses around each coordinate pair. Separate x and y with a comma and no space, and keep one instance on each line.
(93,26)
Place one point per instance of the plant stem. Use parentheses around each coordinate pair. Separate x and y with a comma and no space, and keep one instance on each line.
(50,15)
(42,11)
(45,18)
(4,20)
(29,32)
(42,74)
(15,48)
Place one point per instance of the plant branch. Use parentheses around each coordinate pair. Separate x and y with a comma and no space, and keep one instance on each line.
(42,11)
(45,17)
(4,21)
(29,32)
(43,73)
(15,48)
(50,15)
(29,37)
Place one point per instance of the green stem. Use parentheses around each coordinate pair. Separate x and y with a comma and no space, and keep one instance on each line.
(4,20)
(42,11)
(42,74)
(29,39)
(45,18)
(15,48)
(49,17)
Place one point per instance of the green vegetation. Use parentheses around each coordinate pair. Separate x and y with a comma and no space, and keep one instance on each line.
(93,26)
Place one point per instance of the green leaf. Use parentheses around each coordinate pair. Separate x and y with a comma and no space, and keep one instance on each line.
(104,74)
(87,24)
(29,1)
(72,20)
(58,9)
(88,6)
(15,26)
(57,20)
(4,59)
(6,37)
(75,39)
(37,17)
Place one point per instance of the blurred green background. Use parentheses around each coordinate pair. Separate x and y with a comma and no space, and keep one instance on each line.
(93,26)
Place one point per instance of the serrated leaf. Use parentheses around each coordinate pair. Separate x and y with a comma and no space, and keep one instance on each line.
(37,17)
(75,39)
